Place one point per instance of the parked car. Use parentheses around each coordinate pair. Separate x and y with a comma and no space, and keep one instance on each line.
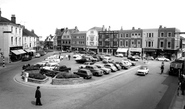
(119,55)
(133,58)
(117,66)
(143,70)
(50,66)
(85,64)
(107,60)
(126,64)
(111,66)
(37,55)
(105,70)
(86,74)
(121,64)
(26,58)
(62,68)
(162,59)
(132,62)
(149,58)
(76,55)
(82,60)
(95,71)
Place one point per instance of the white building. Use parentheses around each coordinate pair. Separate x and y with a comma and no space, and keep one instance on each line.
(10,38)
(92,39)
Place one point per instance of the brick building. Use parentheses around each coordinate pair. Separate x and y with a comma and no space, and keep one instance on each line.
(78,40)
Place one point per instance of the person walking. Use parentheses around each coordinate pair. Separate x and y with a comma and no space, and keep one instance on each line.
(69,56)
(38,96)
(162,69)
(183,87)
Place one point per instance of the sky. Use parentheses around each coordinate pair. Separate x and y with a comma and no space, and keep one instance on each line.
(44,16)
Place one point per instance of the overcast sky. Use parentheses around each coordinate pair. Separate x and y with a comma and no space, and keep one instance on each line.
(44,16)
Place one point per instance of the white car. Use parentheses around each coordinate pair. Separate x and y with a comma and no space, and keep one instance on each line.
(37,55)
(119,55)
(111,66)
(132,62)
(76,55)
(85,64)
(107,60)
(143,70)
(162,59)
(50,66)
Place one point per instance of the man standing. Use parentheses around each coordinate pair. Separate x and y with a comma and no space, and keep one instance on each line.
(38,96)
(162,69)
(69,56)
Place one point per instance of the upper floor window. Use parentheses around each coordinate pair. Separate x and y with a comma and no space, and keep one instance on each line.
(100,36)
(161,44)
(126,35)
(121,35)
(16,40)
(126,43)
(169,44)
(121,43)
(132,43)
(19,41)
(100,43)
(169,34)
(162,34)
(138,43)
(12,40)
(12,29)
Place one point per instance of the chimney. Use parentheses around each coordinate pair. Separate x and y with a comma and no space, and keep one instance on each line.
(76,28)
(32,31)
(109,28)
(133,28)
(121,28)
(13,18)
(160,26)
(103,28)
(139,28)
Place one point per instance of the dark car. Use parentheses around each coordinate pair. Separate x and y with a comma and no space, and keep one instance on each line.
(121,64)
(133,58)
(62,68)
(86,74)
(26,58)
(95,71)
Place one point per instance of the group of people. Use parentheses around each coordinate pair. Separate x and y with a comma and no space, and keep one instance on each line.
(68,57)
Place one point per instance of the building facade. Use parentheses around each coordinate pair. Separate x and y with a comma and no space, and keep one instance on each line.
(108,41)
(58,37)
(78,40)
(150,42)
(66,38)
(168,42)
(48,43)
(130,42)
(10,38)
(92,39)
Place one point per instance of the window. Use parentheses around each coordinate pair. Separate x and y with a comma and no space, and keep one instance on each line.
(161,44)
(99,37)
(121,35)
(16,40)
(132,43)
(169,45)
(169,34)
(138,43)
(126,43)
(19,41)
(162,34)
(100,43)
(12,40)
(149,44)
(150,35)
(126,35)
(121,43)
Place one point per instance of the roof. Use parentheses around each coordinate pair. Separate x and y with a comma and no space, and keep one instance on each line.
(80,32)
(59,32)
(72,30)
(26,32)
(2,19)
(96,28)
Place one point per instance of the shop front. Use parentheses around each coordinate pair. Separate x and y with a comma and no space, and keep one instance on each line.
(135,51)
(16,53)
(150,52)
(122,51)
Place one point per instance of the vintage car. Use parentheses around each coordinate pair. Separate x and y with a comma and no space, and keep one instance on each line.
(95,71)
(143,70)
(105,70)
(111,66)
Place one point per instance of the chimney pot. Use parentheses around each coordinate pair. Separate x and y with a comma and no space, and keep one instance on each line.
(13,18)
(160,26)
(109,28)
(133,28)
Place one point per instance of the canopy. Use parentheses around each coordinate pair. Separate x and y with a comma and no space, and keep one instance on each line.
(122,50)
(21,51)
(28,50)
(16,52)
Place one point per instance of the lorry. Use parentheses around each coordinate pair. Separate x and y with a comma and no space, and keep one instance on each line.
(177,67)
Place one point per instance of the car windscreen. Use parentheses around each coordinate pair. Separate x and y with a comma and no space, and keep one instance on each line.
(143,67)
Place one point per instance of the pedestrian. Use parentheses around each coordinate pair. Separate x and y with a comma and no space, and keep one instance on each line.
(162,69)
(66,56)
(38,96)
(69,56)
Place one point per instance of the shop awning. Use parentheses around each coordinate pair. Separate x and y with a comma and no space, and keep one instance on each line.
(33,50)
(122,50)
(16,52)
(28,50)
(21,51)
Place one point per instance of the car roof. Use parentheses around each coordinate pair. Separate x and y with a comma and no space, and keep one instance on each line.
(84,69)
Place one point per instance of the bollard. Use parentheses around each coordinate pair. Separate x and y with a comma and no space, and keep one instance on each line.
(26,77)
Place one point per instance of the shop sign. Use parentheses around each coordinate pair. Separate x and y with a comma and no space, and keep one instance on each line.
(135,49)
